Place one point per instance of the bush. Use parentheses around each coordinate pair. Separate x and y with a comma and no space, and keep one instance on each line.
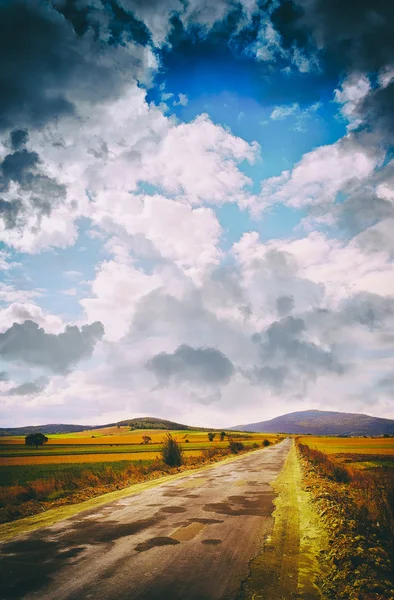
(235,447)
(171,451)
(266,443)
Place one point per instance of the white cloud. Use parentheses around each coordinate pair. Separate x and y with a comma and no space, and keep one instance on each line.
(281,112)
(182,100)
(321,174)
(351,92)
(19,312)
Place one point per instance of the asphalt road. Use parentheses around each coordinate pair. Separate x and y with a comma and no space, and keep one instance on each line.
(188,539)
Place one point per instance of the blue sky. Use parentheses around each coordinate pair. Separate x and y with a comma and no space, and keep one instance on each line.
(179,179)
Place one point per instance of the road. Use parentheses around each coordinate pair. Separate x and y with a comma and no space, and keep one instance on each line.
(188,539)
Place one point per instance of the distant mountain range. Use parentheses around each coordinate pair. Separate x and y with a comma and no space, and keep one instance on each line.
(315,422)
(321,422)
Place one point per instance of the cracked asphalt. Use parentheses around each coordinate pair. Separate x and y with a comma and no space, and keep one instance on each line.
(188,539)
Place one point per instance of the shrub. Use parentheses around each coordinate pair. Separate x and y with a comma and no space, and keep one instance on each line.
(235,446)
(211,436)
(266,443)
(171,451)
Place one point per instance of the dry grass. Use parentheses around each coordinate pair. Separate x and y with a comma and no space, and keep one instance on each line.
(372,491)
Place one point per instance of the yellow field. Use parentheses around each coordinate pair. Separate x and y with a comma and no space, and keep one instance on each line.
(338,445)
(83,458)
(123,435)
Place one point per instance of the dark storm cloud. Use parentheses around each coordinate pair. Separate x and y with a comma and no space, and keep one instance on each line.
(18,138)
(47,60)
(28,343)
(356,35)
(377,111)
(30,387)
(23,168)
(287,356)
(199,365)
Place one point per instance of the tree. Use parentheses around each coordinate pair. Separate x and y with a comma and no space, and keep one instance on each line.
(146,439)
(211,436)
(266,443)
(36,439)
(222,435)
(171,451)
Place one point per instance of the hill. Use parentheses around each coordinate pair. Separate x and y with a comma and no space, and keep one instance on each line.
(153,423)
(320,422)
(51,428)
(138,423)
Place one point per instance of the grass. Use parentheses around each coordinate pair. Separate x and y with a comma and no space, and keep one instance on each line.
(356,505)
(23,474)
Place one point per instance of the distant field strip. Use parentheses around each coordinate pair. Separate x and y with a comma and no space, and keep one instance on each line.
(337,445)
(83,458)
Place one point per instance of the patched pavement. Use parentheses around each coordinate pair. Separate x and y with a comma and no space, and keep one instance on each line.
(188,539)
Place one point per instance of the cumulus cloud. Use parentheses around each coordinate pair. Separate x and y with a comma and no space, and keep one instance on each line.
(199,365)
(28,388)
(29,344)
(64,65)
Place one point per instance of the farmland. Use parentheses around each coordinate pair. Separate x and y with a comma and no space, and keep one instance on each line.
(351,445)
(74,466)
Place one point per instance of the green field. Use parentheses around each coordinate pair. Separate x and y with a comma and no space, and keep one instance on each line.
(23,474)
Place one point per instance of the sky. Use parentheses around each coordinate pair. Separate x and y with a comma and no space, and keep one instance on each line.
(196,209)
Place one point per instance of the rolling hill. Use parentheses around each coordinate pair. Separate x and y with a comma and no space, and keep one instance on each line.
(138,423)
(320,422)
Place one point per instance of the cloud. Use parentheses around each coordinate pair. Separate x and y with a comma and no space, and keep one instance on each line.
(282,112)
(28,388)
(197,365)
(37,193)
(321,174)
(284,305)
(183,100)
(29,344)
(19,312)
(357,35)
(63,67)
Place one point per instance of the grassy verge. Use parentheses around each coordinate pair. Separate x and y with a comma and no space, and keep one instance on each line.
(289,565)
(357,509)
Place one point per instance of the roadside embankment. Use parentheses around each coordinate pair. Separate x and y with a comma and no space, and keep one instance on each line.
(356,510)
(289,565)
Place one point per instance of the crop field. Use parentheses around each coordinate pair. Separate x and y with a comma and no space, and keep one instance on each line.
(359,445)
(109,445)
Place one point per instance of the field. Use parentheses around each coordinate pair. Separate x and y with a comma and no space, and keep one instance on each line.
(359,445)
(72,467)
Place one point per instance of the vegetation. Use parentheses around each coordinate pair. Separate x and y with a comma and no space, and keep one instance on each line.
(146,439)
(357,507)
(78,465)
(211,436)
(171,451)
(266,442)
(222,435)
(36,439)
(235,446)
